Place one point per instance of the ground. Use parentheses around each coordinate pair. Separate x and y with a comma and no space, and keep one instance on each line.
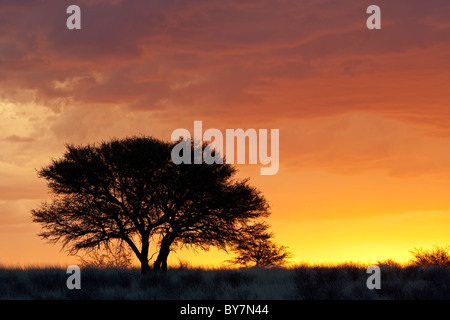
(295,283)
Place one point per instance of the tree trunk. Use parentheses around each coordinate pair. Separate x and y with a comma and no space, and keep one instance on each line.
(160,263)
(145,268)
(164,260)
(157,263)
(143,258)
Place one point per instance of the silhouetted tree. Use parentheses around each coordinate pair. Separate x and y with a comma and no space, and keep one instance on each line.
(130,191)
(438,256)
(259,250)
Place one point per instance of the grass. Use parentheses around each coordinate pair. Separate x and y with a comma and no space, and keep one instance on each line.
(303,282)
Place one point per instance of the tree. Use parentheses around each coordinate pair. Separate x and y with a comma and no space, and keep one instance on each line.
(259,250)
(130,191)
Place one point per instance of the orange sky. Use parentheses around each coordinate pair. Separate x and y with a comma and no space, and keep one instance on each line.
(363,115)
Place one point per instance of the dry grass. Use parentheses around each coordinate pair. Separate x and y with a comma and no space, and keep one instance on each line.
(347,281)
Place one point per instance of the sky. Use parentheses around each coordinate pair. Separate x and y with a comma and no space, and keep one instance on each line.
(363,115)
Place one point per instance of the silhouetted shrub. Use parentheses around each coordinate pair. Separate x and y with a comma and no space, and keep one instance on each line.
(388,263)
(437,256)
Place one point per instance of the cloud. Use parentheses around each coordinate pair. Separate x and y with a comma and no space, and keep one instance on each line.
(18,183)
(354,143)
(135,54)
(140,67)
(15,138)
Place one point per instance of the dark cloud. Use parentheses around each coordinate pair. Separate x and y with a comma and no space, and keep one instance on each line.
(230,58)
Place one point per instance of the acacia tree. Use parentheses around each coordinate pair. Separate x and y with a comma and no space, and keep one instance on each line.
(130,191)
(259,250)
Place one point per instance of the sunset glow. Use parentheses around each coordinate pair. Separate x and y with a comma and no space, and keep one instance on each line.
(363,115)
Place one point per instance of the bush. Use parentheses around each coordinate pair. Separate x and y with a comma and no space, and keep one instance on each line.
(438,256)
(389,263)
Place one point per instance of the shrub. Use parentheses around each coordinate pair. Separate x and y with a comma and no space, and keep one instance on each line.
(437,256)
(389,263)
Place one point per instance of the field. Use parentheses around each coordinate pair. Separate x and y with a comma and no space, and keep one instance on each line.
(303,282)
